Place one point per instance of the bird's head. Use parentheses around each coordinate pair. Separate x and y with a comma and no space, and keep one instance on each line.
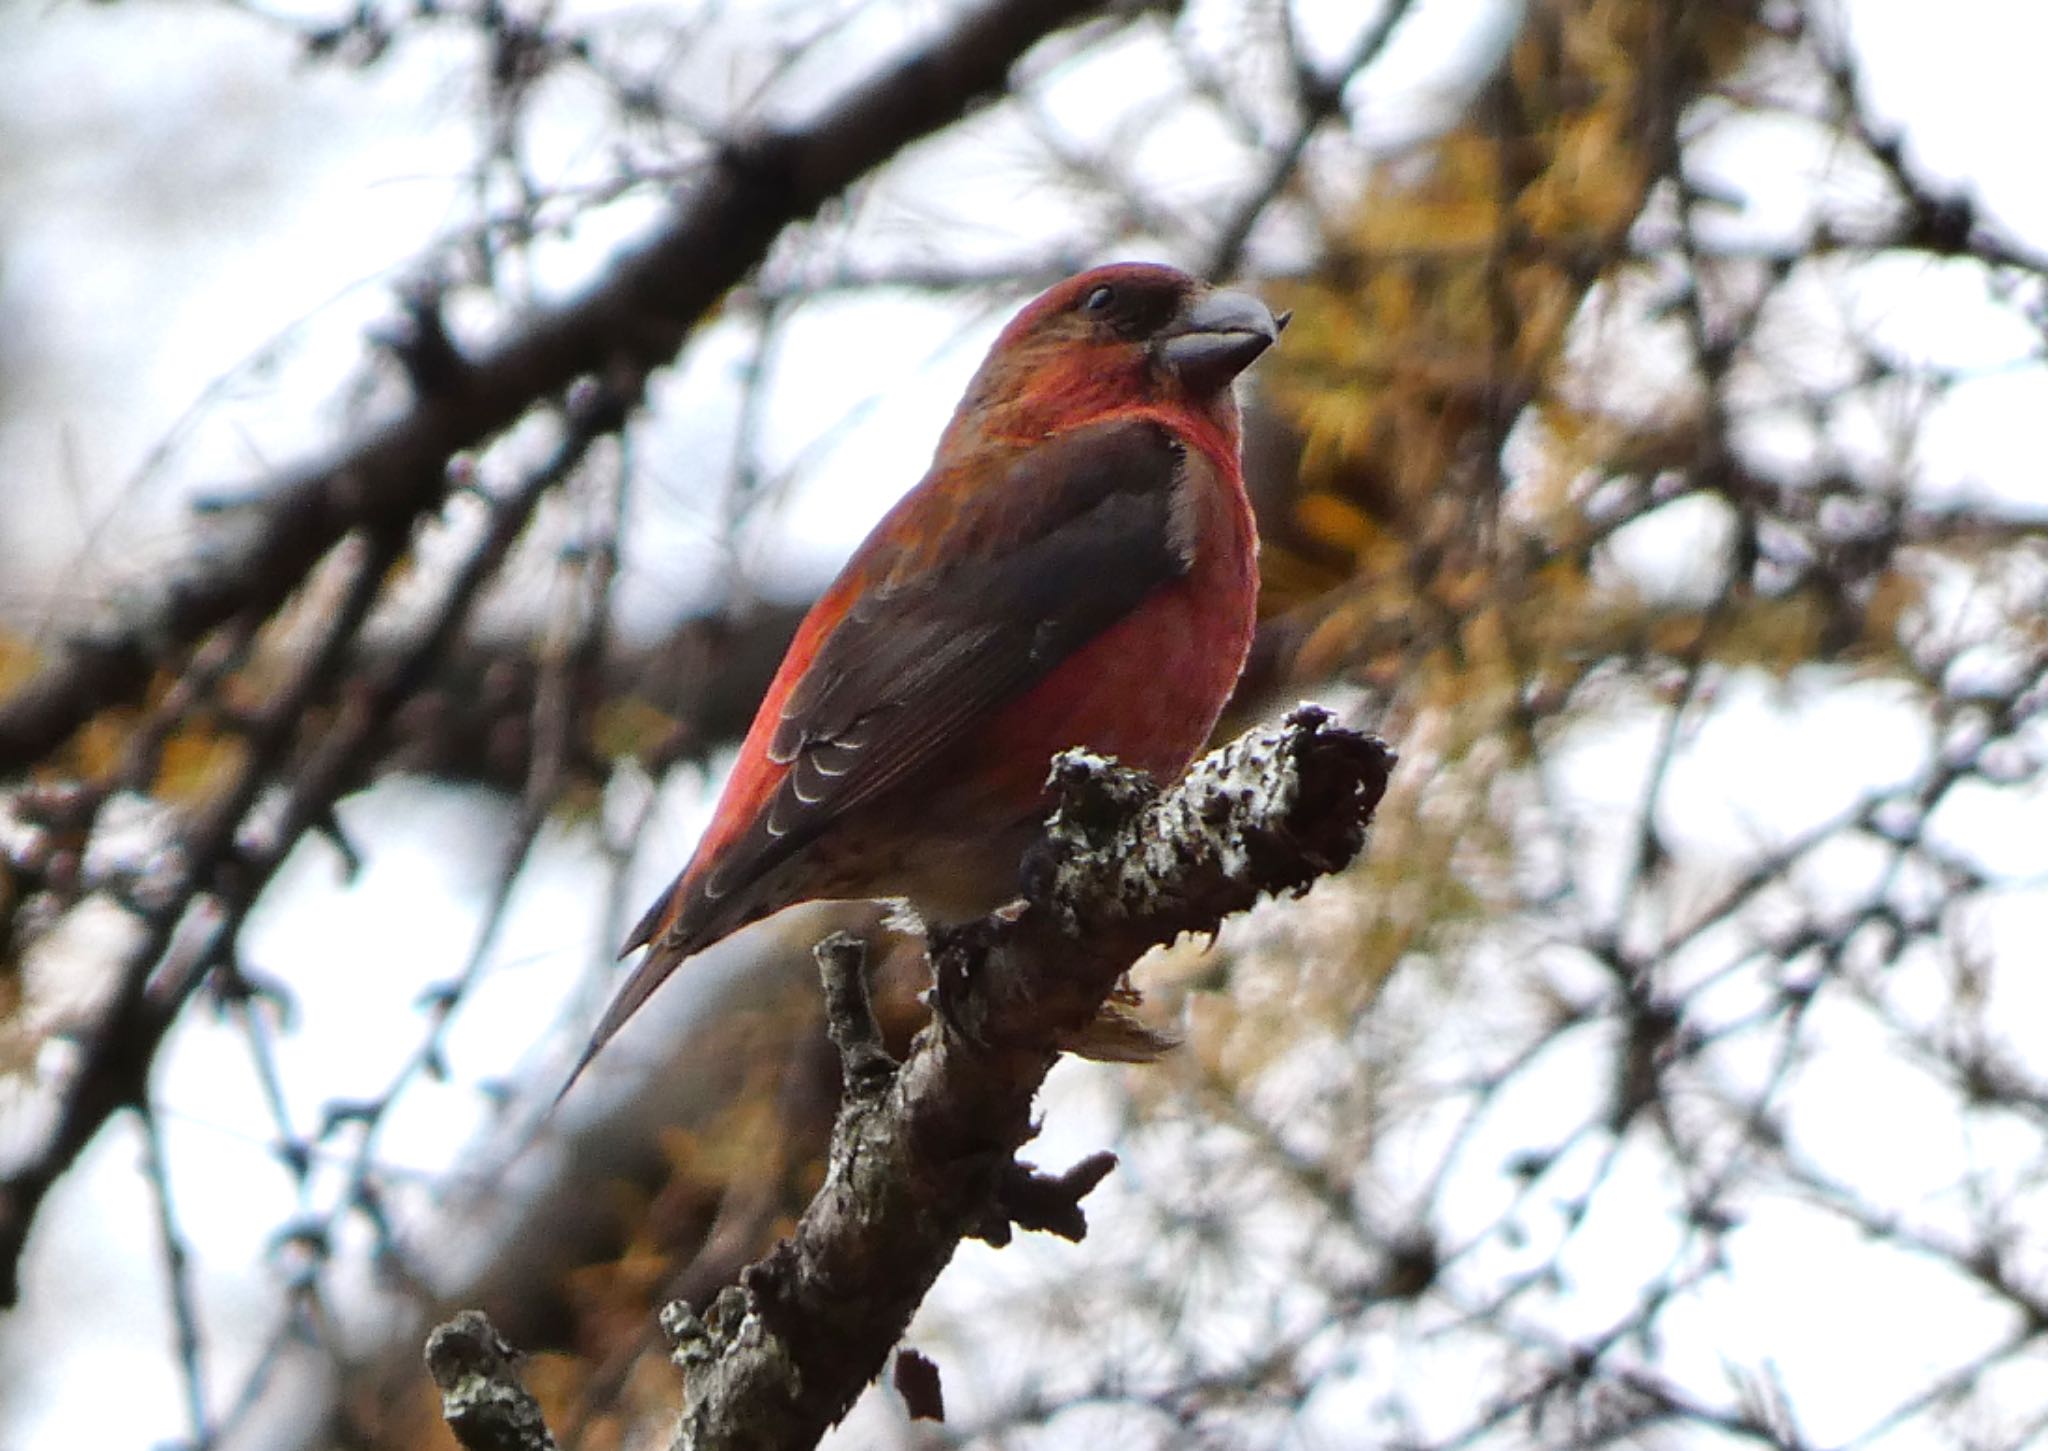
(1130,335)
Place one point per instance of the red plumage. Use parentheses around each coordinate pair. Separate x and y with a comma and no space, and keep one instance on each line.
(1077,568)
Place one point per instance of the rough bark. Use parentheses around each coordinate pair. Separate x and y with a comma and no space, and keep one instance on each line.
(482,1398)
(924,1152)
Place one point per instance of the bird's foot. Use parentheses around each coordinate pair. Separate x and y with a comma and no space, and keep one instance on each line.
(953,950)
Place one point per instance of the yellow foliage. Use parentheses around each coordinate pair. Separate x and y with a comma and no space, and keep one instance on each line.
(557,1381)
(628,1281)
(739,1143)
(1329,519)
(1453,286)
(18,660)
(1895,597)
(191,763)
(97,748)
(195,762)
(626,726)
(1406,562)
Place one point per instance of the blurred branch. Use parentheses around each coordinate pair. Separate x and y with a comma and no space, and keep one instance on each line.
(191,922)
(633,320)
(177,1257)
(922,1154)
(475,721)
(1321,97)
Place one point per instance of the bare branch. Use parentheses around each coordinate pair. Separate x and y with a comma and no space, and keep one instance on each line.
(921,1159)
(633,320)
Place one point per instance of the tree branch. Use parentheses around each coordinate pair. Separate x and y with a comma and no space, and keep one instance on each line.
(633,320)
(482,1399)
(925,1155)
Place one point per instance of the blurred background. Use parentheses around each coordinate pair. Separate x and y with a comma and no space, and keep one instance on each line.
(423,421)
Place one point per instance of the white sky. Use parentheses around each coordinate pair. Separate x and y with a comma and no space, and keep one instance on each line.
(354,174)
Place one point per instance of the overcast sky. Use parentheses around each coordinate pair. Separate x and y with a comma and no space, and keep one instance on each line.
(178,189)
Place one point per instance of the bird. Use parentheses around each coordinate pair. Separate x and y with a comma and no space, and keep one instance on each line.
(1078,567)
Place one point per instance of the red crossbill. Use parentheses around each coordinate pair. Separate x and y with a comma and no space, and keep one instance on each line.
(1077,568)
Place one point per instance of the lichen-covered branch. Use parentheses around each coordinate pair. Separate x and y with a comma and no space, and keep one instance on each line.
(924,1156)
(482,1398)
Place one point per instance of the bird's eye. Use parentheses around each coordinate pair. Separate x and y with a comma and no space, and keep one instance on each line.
(1098,301)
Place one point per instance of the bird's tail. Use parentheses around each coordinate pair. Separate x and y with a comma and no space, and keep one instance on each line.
(671,938)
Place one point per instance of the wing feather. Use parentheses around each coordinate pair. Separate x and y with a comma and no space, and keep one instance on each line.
(1077,534)
(914,668)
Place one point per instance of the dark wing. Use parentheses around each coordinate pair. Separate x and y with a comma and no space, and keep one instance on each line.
(915,667)
(1074,536)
